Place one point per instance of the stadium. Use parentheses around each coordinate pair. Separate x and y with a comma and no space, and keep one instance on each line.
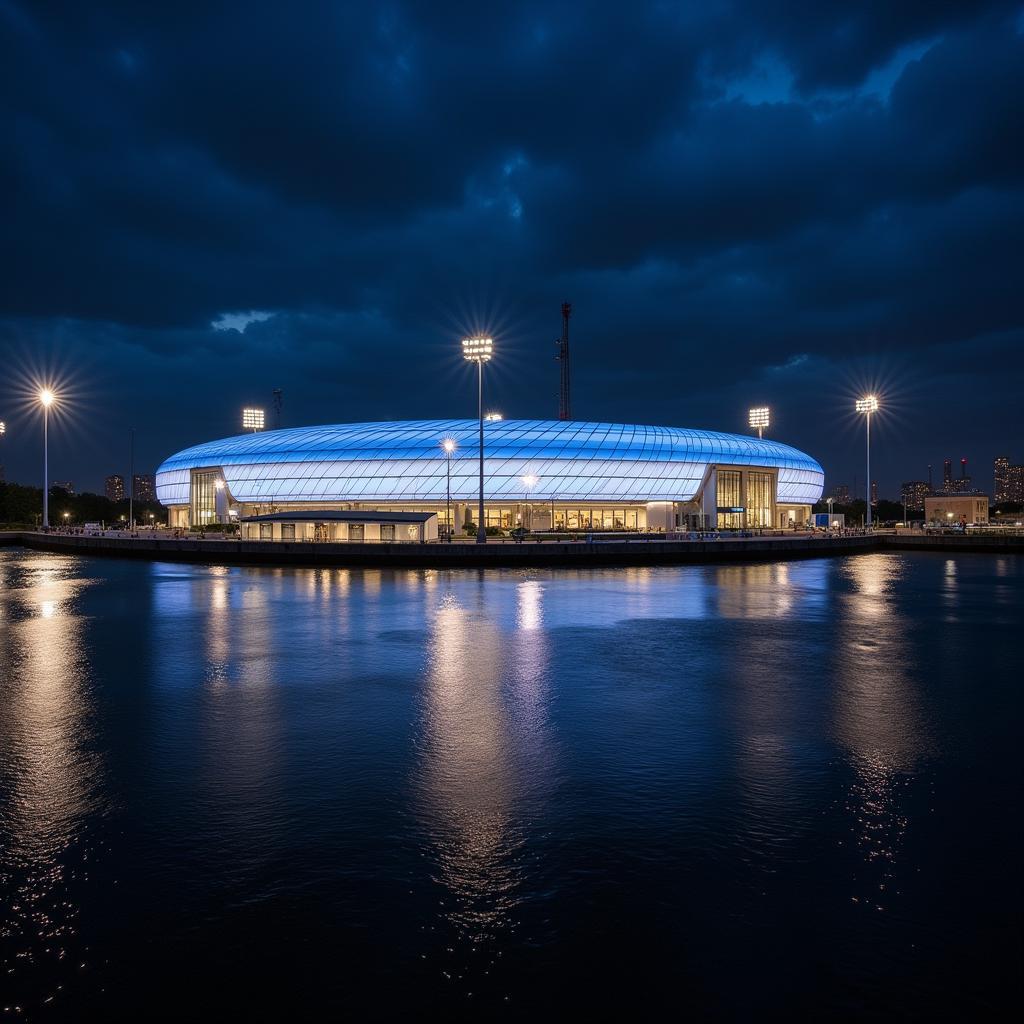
(392,480)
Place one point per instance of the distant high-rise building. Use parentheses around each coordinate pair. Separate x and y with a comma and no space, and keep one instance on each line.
(841,493)
(929,479)
(114,487)
(144,487)
(64,485)
(874,492)
(1015,484)
(1001,472)
(914,492)
(947,474)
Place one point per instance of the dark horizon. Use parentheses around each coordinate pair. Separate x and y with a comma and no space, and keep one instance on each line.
(750,206)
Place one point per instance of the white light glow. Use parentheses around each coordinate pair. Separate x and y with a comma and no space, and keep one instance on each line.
(448,445)
(46,397)
(760,416)
(868,404)
(493,417)
(252,419)
(478,350)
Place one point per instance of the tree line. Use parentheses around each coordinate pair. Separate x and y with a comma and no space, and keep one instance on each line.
(22,506)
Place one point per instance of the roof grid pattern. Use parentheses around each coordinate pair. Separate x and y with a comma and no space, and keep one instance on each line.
(403,460)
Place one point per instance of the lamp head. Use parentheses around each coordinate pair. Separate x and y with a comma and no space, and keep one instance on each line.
(46,397)
(448,445)
(868,404)
(477,350)
(759,417)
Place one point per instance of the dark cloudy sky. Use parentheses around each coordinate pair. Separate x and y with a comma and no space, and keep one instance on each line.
(779,202)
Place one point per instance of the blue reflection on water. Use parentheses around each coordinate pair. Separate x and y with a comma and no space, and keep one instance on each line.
(527,791)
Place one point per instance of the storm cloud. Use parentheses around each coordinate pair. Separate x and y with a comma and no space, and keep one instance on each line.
(746,203)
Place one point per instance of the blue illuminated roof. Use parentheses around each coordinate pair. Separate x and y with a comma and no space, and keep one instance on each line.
(403,461)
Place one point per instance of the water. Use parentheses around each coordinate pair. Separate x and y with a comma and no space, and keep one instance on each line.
(773,789)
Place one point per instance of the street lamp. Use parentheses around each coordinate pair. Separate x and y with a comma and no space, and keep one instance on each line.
(479,351)
(449,446)
(867,406)
(46,399)
(529,482)
(759,419)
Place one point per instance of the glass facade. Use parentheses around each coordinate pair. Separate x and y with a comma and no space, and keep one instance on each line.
(204,497)
(599,519)
(730,496)
(760,492)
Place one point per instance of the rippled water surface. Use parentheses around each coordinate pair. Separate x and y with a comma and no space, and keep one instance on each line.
(772,789)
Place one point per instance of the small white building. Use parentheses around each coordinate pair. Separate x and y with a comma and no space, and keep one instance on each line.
(343,526)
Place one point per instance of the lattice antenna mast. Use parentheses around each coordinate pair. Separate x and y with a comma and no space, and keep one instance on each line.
(278,403)
(564,402)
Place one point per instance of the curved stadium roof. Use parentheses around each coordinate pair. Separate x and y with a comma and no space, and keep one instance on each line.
(402,461)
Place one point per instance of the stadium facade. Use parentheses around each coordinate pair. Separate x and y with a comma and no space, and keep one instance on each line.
(539,474)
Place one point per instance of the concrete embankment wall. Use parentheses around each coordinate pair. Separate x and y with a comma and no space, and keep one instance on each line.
(977,543)
(452,555)
(624,552)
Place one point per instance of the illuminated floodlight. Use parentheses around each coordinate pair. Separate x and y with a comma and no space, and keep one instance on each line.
(3,428)
(868,404)
(760,416)
(530,481)
(448,445)
(219,484)
(493,417)
(46,397)
(252,419)
(759,419)
(477,350)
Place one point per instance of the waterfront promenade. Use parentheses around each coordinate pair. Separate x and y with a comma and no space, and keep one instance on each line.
(581,553)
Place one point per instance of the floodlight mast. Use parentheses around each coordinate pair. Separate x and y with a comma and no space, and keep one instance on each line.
(868,405)
(759,419)
(479,351)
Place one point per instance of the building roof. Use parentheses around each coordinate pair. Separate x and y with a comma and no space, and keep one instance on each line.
(331,516)
(403,461)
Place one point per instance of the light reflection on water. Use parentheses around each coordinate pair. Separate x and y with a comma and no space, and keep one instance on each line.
(53,774)
(483,765)
(447,772)
(878,718)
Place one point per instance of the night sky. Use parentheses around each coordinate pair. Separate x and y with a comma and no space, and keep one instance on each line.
(778,203)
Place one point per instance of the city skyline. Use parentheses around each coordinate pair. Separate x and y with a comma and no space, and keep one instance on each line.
(773,211)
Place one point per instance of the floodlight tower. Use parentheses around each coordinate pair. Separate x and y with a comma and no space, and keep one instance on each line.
(479,351)
(564,403)
(759,419)
(867,406)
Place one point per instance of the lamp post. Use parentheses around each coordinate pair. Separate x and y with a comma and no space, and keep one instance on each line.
(829,503)
(479,351)
(46,399)
(449,447)
(867,406)
(759,419)
(529,482)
